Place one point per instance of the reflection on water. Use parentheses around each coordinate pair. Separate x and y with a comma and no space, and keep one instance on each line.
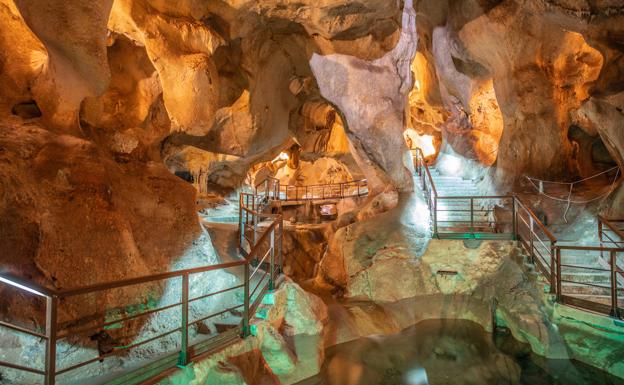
(448,352)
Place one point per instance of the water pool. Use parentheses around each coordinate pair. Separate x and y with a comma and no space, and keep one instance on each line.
(448,352)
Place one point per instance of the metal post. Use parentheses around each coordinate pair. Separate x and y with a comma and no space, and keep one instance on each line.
(532,251)
(184,352)
(51,328)
(241,225)
(514,218)
(272,264)
(435,216)
(614,286)
(245,331)
(280,244)
(559,292)
(471,216)
(553,262)
(255,229)
(600,236)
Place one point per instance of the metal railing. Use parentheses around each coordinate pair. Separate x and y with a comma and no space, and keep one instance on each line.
(611,232)
(462,216)
(471,216)
(253,223)
(427,185)
(589,285)
(600,285)
(265,250)
(271,189)
(536,239)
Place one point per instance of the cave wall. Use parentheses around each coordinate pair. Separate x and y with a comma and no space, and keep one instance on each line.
(95,97)
(514,76)
(100,102)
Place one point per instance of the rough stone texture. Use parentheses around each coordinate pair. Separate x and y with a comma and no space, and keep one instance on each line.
(455,282)
(288,347)
(506,73)
(130,82)
(374,112)
(96,95)
(73,216)
(605,117)
(76,65)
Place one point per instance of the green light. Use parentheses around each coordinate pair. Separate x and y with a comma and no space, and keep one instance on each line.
(269,299)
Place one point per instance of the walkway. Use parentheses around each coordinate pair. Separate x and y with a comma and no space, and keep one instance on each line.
(271,188)
(586,276)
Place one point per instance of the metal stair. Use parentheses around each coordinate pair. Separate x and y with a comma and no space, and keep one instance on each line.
(456,214)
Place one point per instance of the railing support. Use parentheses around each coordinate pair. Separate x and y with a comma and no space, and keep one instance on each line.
(255,228)
(241,224)
(183,358)
(615,312)
(559,291)
(272,256)
(532,250)
(280,244)
(554,275)
(245,331)
(51,329)
(435,216)
(514,219)
(471,216)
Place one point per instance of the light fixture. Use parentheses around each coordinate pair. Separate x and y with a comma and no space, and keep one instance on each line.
(20,286)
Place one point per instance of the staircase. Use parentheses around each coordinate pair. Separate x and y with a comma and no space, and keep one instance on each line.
(587,279)
(586,275)
(454,211)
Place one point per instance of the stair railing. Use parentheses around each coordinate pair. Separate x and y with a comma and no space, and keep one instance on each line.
(539,243)
(427,185)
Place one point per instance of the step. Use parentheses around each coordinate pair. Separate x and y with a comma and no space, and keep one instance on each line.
(576,288)
(603,299)
(227,323)
(602,279)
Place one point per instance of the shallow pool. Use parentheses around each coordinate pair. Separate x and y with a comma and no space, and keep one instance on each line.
(448,352)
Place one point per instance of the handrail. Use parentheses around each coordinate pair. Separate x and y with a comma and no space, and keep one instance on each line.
(271,235)
(591,248)
(546,257)
(421,157)
(609,222)
(276,192)
(268,178)
(354,181)
(536,220)
(26,285)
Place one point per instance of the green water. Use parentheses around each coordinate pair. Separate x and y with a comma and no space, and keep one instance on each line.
(448,352)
